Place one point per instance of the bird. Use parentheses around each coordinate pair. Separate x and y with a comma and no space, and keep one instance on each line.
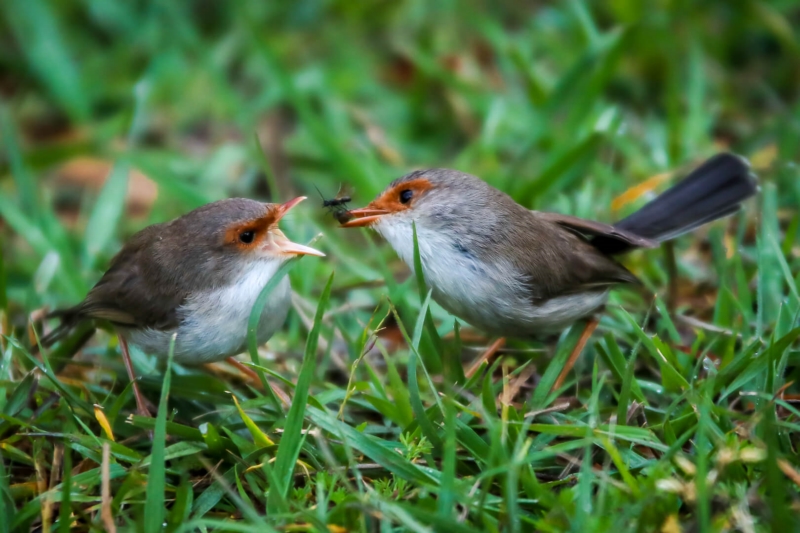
(196,278)
(514,272)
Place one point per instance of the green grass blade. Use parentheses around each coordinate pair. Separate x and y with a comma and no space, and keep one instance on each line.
(45,369)
(266,168)
(107,212)
(3,283)
(432,348)
(24,181)
(671,378)
(379,451)
(447,496)
(415,398)
(627,390)
(255,317)
(7,510)
(769,275)
(543,391)
(351,168)
(291,441)
(612,355)
(260,438)
(65,509)
(31,231)
(154,509)
(211,496)
(438,523)
(110,203)
(38,31)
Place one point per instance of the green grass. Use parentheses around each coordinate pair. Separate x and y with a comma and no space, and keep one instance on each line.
(681,415)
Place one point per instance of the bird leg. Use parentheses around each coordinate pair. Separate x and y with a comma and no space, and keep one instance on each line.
(591,325)
(126,357)
(253,375)
(244,369)
(485,357)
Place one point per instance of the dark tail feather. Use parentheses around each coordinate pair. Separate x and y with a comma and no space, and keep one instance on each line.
(69,319)
(714,190)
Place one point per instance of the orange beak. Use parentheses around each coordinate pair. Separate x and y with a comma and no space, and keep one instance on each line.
(285,208)
(279,241)
(366,216)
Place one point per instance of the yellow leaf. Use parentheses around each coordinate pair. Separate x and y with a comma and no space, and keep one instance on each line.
(671,525)
(103,421)
(637,191)
(254,468)
(730,245)
(764,158)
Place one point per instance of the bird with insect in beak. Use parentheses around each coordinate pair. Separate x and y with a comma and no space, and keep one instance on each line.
(197,278)
(337,207)
(513,272)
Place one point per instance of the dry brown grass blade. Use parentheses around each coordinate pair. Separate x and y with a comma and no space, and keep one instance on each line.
(789,471)
(510,392)
(485,357)
(557,407)
(47,498)
(105,494)
(41,487)
(781,391)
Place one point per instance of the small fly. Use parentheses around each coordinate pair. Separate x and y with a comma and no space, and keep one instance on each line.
(336,206)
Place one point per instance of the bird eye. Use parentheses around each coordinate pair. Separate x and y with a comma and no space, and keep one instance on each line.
(247,236)
(406,195)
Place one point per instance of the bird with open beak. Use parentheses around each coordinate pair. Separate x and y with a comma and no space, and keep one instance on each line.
(510,271)
(196,277)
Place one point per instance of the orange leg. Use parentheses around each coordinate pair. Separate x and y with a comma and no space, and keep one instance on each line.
(591,325)
(253,375)
(126,357)
(244,369)
(486,356)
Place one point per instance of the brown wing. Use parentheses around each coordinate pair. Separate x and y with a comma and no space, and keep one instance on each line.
(127,297)
(607,238)
(584,269)
(555,258)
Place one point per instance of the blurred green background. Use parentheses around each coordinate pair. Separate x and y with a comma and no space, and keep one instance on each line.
(115,115)
(563,105)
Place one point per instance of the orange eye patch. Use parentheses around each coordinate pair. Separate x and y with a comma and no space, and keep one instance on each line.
(402,195)
(249,234)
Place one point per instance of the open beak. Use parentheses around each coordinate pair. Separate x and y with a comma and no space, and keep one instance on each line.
(366,216)
(285,208)
(285,246)
(279,241)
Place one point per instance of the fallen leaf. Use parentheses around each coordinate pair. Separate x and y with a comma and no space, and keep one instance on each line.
(639,190)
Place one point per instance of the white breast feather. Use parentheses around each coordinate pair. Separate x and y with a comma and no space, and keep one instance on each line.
(491,299)
(214,324)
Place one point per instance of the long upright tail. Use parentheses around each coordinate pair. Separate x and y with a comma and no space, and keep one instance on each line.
(713,190)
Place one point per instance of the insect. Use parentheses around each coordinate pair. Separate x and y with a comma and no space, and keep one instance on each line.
(336,206)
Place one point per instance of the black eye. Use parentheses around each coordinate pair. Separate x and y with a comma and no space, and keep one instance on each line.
(247,236)
(406,195)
